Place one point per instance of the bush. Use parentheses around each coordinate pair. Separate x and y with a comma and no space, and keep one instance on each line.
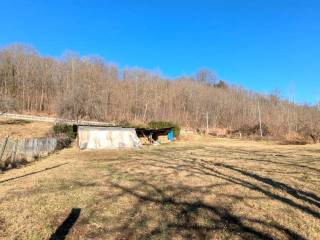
(64,129)
(63,141)
(17,122)
(10,163)
(159,125)
(126,124)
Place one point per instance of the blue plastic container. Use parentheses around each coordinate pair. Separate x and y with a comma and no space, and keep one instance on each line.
(170,136)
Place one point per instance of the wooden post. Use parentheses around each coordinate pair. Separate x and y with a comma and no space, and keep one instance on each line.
(4,147)
(14,152)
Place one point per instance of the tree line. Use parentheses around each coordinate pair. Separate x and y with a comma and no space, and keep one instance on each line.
(90,88)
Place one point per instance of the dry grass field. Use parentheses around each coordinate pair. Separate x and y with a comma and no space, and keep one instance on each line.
(205,189)
(18,129)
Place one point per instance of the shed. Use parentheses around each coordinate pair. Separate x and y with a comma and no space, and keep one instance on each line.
(153,133)
(94,137)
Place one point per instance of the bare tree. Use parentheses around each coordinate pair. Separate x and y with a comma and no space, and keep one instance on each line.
(206,76)
(90,88)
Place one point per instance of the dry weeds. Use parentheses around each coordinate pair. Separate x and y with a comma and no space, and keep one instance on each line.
(204,189)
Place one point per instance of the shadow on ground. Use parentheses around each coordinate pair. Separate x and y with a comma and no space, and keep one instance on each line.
(160,204)
(63,230)
(32,173)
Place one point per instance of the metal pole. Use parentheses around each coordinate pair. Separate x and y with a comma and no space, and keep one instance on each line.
(207,118)
(136,97)
(260,124)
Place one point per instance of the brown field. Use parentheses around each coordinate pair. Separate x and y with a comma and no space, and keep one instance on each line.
(201,189)
(18,129)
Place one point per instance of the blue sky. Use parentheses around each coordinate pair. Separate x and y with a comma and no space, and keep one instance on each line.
(258,44)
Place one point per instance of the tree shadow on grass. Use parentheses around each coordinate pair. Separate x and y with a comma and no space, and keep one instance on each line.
(299,194)
(252,186)
(173,217)
(288,164)
(169,210)
(260,157)
(161,207)
(199,167)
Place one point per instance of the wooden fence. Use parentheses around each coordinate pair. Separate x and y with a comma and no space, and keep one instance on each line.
(14,151)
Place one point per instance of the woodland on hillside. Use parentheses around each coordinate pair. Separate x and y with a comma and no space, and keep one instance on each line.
(90,88)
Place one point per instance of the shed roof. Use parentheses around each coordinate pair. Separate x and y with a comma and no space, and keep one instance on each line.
(147,131)
(101,128)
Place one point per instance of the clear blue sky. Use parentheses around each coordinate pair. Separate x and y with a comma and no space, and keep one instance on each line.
(259,44)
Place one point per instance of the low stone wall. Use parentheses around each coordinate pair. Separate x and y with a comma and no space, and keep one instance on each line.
(15,152)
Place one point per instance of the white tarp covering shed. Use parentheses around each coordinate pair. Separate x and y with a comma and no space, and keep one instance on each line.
(91,137)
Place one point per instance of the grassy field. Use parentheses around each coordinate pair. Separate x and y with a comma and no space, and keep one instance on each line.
(205,189)
(18,129)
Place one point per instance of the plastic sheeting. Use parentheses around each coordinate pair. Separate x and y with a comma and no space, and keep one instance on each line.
(107,138)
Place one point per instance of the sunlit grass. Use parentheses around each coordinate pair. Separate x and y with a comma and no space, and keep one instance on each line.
(204,189)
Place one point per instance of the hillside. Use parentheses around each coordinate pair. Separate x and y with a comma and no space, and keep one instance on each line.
(90,88)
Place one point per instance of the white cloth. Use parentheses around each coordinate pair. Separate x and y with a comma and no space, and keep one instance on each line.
(107,138)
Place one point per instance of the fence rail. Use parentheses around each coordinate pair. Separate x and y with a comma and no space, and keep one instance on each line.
(54,120)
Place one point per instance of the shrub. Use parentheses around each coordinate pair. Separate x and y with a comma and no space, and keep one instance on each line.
(64,129)
(221,84)
(126,124)
(17,122)
(10,163)
(159,125)
(64,141)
